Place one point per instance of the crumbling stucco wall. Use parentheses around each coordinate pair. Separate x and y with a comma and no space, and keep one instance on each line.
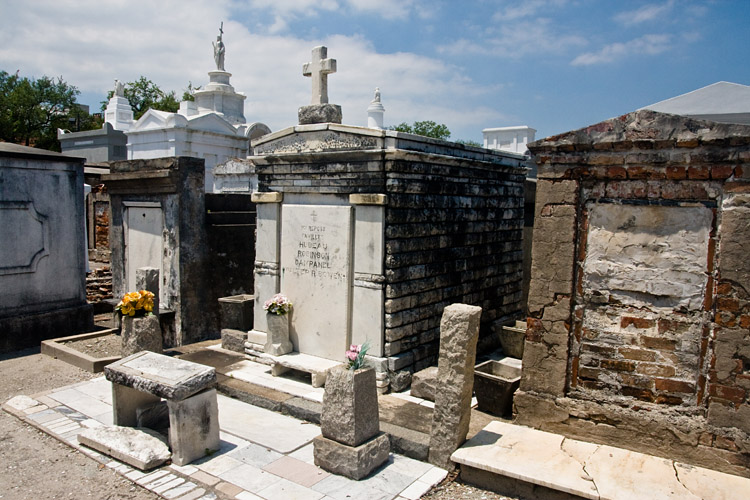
(639,314)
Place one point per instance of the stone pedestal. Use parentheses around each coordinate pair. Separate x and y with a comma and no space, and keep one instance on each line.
(277,340)
(141,334)
(319,113)
(351,444)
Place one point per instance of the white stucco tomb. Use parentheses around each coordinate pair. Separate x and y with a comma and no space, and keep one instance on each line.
(510,139)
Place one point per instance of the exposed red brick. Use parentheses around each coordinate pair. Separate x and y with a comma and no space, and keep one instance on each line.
(745,321)
(656,370)
(658,343)
(698,173)
(721,172)
(687,143)
(698,191)
(708,298)
(617,173)
(724,288)
(641,323)
(725,443)
(728,304)
(591,384)
(637,354)
(672,326)
(634,392)
(706,439)
(534,330)
(725,319)
(669,385)
(675,173)
(667,399)
(618,365)
(731,393)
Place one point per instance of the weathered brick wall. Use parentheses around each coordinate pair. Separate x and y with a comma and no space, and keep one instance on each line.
(453,235)
(453,226)
(638,291)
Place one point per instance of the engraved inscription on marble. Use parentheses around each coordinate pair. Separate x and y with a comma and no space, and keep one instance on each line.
(316,276)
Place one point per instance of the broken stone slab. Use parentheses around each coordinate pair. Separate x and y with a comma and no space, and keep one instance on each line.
(21,403)
(141,448)
(354,462)
(459,332)
(423,383)
(141,334)
(162,376)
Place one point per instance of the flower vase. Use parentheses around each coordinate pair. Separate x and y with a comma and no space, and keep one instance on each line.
(277,339)
(141,333)
(350,406)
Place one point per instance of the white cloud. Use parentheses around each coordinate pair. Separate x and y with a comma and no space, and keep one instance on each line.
(518,10)
(644,14)
(91,43)
(517,40)
(645,45)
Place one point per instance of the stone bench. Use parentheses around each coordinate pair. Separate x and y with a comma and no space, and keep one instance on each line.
(317,367)
(144,378)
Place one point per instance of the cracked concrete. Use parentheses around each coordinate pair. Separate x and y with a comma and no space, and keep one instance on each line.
(587,470)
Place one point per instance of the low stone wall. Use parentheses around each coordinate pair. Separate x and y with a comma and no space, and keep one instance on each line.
(638,330)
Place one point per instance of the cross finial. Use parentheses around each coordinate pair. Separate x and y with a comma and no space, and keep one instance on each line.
(319,69)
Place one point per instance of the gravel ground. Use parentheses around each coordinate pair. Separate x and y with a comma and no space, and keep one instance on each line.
(35,466)
(99,347)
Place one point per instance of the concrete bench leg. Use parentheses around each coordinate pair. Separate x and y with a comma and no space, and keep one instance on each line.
(125,403)
(193,427)
(278,369)
(319,379)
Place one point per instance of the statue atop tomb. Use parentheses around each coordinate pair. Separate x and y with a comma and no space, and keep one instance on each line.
(119,89)
(219,49)
(377,95)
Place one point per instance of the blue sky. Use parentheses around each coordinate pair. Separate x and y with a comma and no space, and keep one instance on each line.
(554,65)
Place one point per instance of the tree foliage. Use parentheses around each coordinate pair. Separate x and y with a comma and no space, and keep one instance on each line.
(32,110)
(143,94)
(427,128)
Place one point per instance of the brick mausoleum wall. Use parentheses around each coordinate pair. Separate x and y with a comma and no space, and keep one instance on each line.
(453,224)
(639,314)
(453,235)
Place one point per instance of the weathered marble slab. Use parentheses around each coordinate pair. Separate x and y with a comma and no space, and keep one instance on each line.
(316,249)
(141,448)
(162,376)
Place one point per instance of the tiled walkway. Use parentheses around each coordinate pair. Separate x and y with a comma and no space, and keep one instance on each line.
(263,454)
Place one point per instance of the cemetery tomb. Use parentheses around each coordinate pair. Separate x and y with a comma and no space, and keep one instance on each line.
(637,334)
(372,233)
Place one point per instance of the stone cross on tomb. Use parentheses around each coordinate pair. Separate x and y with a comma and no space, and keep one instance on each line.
(318,69)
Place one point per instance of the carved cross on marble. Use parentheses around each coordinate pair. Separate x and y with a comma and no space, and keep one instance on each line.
(319,69)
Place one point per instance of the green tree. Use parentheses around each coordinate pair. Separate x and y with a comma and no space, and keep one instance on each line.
(469,142)
(32,110)
(143,94)
(427,128)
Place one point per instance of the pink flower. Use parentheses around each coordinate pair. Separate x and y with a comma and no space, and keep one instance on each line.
(351,355)
(354,348)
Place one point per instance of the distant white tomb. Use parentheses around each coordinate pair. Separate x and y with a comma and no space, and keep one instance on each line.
(723,102)
(510,139)
(212,126)
(375,111)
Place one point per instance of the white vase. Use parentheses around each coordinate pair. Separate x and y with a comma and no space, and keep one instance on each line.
(277,338)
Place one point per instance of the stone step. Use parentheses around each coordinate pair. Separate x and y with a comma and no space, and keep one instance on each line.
(519,461)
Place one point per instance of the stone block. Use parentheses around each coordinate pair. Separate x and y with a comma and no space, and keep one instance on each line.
(147,278)
(194,427)
(350,406)
(319,113)
(354,462)
(423,383)
(459,331)
(233,340)
(141,334)
(141,448)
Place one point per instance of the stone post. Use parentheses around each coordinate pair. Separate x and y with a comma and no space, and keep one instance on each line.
(144,333)
(459,331)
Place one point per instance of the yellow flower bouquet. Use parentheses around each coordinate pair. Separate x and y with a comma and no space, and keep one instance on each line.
(136,304)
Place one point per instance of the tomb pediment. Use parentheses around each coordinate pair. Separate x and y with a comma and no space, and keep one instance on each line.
(319,138)
(211,123)
(152,120)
